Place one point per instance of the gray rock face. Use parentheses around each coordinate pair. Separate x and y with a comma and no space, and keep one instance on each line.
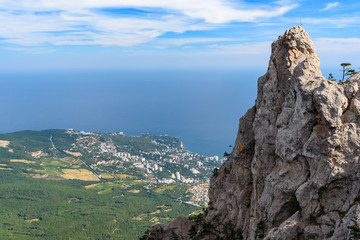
(294,171)
(176,229)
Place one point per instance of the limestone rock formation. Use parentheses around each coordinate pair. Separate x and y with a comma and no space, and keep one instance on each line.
(294,170)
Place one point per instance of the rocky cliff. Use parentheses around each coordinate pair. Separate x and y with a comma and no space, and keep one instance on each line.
(294,170)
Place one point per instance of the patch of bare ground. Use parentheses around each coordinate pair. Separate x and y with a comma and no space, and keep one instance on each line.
(4,143)
(38,154)
(22,161)
(80,174)
(75,154)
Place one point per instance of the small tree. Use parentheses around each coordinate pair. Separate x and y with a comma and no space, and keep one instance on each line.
(351,72)
(331,77)
(227,155)
(346,71)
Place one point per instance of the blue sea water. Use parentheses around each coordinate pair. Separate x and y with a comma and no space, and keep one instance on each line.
(201,107)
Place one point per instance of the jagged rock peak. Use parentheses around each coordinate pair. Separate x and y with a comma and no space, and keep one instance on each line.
(294,171)
(297,38)
(294,46)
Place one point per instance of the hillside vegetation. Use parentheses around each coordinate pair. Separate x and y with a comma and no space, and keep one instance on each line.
(59,184)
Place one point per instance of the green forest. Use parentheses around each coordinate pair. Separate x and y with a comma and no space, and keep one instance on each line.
(70,209)
(48,193)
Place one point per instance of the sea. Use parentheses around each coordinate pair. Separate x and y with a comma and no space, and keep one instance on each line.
(200,107)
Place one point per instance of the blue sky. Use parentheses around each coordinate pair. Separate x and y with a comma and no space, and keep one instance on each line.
(228,41)
(166,34)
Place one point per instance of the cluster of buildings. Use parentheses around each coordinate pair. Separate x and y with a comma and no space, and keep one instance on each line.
(178,164)
(199,195)
(166,163)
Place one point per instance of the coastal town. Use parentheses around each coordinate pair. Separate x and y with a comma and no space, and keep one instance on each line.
(152,159)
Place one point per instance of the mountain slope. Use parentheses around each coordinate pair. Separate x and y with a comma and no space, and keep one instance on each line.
(294,170)
(66,184)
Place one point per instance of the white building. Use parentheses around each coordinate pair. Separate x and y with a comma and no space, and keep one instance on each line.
(194,171)
(178,176)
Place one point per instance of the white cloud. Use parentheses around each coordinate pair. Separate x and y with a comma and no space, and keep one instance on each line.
(330,5)
(212,11)
(338,45)
(78,22)
(186,41)
(335,22)
(257,48)
(333,51)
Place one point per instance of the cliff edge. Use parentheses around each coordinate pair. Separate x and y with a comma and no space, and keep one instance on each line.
(294,170)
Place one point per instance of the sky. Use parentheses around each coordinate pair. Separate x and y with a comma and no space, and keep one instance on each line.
(183,67)
(169,34)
